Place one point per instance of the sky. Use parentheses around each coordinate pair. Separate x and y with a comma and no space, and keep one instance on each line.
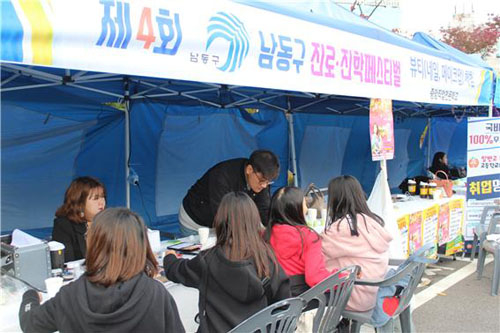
(425,15)
(429,15)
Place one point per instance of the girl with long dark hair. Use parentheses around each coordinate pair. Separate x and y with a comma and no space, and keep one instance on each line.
(238,276)
(354,235)
(297,247)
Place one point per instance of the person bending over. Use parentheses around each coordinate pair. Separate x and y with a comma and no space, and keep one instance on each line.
(354,235)
(238,276)
(84,198)
(252,176)
(117,293)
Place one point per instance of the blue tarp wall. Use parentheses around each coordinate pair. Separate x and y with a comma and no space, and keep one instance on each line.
(61,133)
(329,145)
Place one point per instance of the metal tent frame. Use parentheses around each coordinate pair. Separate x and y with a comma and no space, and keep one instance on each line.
(130,88)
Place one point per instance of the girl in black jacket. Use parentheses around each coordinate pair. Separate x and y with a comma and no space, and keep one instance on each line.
(237,277)
(117,293)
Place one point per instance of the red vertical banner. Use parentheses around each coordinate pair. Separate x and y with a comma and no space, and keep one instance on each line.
(381,129)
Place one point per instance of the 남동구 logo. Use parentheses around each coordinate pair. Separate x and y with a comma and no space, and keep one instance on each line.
(228,27)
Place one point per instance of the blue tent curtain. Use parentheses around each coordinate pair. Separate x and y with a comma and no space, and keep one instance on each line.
(330,145)
(49,139)
(172,146)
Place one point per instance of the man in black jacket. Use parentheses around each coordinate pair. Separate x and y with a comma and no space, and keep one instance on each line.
(253,176)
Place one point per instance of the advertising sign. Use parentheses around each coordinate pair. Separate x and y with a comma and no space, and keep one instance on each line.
(381,129)
(232,43)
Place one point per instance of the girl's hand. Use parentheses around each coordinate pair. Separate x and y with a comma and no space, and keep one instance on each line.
(172,252)
(360,274)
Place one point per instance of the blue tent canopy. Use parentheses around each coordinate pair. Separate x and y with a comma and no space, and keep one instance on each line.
(62,122)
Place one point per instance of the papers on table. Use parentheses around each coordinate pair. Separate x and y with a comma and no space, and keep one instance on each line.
(22,239)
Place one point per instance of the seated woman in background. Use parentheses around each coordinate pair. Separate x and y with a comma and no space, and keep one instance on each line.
(355,236)
(440,163)
(117,293)
(238,276)
(84,198)
(297,247)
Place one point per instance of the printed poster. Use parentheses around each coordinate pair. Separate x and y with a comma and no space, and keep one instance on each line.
(403,229)
(444,224)
(483,169)
(415,231)
(473,216)
(456,245)
(456,219)
(429,227)
(381,129)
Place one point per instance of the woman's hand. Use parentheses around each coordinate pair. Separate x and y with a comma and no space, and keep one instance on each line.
(172,252)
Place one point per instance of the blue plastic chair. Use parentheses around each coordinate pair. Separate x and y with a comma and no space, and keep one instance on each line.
(410,271)
(490,246)
(332,295)
(279,317)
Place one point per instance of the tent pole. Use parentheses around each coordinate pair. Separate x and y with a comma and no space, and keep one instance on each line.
(127,143)
(428,144)
(291,137)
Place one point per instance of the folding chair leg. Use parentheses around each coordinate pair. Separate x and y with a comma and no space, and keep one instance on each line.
(355,326)
(474,248)
(480,263)
(496,274)
(406,322)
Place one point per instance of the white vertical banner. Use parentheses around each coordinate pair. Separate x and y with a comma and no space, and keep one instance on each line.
(483,173)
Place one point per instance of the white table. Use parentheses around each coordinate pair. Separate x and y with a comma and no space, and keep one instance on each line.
(440,221)
(12,293)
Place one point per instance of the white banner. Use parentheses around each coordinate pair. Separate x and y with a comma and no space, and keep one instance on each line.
(483,172)
(230,43)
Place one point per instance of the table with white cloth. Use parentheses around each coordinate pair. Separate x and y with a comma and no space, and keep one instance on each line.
(12,292)
(186,298)
(421,221)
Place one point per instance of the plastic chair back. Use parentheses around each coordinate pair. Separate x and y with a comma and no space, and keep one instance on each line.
(332,295)
(279,317)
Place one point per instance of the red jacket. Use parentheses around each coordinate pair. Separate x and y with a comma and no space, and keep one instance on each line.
(299,256)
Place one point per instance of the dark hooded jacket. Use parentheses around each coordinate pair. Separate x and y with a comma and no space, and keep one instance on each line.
(232,291)
(140,304)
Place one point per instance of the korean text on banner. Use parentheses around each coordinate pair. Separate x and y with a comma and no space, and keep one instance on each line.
(403,223)
(483,174)
(429,227)
(415,231)
(232,43)
(381,129)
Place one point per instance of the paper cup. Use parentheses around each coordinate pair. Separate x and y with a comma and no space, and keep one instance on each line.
(56,254)
(203,233)
(323,216)
(312,213)
(53,284)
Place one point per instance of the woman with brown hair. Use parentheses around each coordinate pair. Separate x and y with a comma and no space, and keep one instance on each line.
(84,198)
(117,293)
(239,275)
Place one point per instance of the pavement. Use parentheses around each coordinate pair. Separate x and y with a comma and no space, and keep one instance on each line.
(455,301)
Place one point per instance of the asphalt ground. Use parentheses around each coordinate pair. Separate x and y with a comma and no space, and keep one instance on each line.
(464,306)
(453,300)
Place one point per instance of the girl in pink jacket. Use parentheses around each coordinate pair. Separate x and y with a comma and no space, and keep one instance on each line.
(355,236)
